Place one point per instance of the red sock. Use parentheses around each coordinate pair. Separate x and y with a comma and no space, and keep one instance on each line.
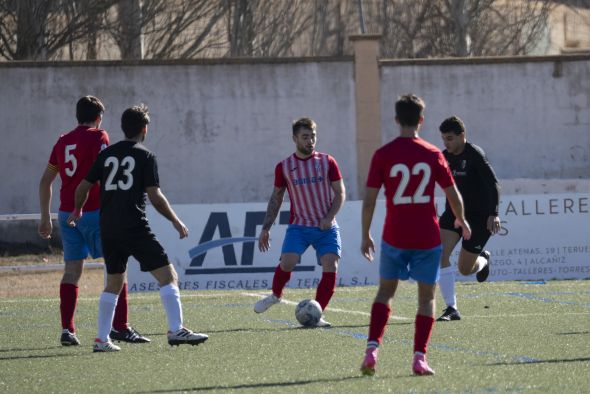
(379,318)
(68,297)
(424,326)
(279,281)
(121,311)
(325,289)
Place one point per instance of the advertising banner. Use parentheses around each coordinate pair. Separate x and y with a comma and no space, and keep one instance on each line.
(543,237)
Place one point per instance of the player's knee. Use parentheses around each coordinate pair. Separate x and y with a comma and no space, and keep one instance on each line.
(465,269)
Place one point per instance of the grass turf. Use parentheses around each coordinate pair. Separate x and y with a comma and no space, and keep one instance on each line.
(514,337)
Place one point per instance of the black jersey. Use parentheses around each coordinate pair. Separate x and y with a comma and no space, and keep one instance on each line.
(124,170)
(476,180)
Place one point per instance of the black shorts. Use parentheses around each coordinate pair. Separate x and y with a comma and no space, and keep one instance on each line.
(479,230)
(142,245)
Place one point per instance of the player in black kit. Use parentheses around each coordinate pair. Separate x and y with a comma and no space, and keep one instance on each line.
(480,190)
(127,171)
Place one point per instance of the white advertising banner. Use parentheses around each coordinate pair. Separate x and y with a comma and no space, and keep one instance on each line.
(543,237)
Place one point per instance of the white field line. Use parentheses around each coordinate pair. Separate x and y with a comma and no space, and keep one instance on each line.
(43,267)
(284,301)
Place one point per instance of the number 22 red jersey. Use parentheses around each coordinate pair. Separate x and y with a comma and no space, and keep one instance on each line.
(72,156)
(409,169)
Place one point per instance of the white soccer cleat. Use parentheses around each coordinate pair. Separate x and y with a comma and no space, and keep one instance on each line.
(265,303)
(322,323)
(104,347)
(186,336)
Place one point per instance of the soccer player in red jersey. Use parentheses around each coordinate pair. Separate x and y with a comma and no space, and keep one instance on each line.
(71,158)
(408,167)
(316,191)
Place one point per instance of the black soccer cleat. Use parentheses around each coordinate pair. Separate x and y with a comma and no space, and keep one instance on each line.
(482,275)
(69,338)
(128,335)
(449,314)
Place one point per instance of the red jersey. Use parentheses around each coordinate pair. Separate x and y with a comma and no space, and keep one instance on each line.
(309,183)
(409,168)
(72,156)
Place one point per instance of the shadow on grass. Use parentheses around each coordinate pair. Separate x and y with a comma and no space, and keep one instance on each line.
(574,333)
(278,385)
(37,356)
(30,349)
(553,361)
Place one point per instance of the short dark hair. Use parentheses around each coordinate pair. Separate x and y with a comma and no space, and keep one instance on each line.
(88,109)
(408,110)
(454,124)
(303,123)
(134,119)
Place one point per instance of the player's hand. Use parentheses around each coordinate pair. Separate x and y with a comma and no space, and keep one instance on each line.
(493,224)
(44,228)
(74,217)
(326,224)
(368,248)
(264,241)
(464,227)
(181,228)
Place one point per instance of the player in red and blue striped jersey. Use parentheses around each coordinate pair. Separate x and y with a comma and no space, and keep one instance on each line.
(316,191)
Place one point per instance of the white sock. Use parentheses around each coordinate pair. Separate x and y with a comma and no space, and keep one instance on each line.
(447,286)
(480,262)
(106,310)
(170,296)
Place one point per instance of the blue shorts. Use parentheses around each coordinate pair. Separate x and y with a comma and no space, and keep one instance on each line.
(421,265)
(298,238)
(83,239)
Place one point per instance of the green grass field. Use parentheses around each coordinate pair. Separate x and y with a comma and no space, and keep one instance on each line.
(514,337)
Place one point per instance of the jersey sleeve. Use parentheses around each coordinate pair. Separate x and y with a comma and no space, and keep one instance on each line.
(53,163)
(104,140)
(95,173)
(375,177)
(443,175)
(334,173)
(280,180)
(490,181)
(150,176)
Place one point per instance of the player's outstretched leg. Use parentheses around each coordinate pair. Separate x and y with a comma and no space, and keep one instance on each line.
(186,336)
(483,274)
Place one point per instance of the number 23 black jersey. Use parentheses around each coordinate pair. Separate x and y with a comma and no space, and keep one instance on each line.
(124,170)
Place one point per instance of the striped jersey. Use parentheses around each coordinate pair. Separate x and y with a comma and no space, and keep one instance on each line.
(309,183)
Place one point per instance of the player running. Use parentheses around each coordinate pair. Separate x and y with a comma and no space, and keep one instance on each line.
(480,189)
(127,171)
(408,167)
(71,158)
(316,191)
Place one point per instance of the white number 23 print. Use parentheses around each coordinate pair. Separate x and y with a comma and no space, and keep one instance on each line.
(420,169)
(127,164)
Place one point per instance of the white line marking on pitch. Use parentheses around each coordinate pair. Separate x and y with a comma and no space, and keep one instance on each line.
(284,301)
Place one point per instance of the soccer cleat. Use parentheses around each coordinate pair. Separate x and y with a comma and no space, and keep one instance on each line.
(265,303)
(449,314)
(69,338)
(104,347)
(322,323)
(420,366)
(128,335)
(483,274)
(186,336)
(370,361)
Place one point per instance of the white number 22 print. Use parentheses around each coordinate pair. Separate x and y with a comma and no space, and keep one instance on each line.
(128,164)
(419,169)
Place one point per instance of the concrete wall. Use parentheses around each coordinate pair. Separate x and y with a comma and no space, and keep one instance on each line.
(218,129)
(531,117)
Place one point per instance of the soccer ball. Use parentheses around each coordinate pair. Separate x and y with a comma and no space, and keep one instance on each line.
(308,313)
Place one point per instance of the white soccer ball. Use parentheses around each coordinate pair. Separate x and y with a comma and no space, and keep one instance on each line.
(308,313)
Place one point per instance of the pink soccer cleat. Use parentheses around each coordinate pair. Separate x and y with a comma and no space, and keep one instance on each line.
(368,365)
(420,366)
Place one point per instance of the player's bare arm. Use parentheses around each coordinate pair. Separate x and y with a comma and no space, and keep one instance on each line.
(272,211)
(337,203)
(160,202)
(47,179)
(367,244)
(456,203)
(80,197)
